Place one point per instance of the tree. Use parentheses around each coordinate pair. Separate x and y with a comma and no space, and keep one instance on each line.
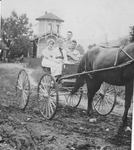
(132,34)
(21,46)
(124,41)
(16,32)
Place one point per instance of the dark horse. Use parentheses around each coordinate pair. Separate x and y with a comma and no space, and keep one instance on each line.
(98,58)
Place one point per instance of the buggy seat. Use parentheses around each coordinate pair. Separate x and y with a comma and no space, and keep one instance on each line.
(67,69)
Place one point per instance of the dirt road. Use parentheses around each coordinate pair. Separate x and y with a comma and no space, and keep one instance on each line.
(69,130)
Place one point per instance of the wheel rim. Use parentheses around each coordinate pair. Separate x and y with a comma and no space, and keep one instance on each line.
(74,100)
(47,96)
(105,99)
(23,89)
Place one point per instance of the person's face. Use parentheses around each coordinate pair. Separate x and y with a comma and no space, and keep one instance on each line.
(73,45)
(69,36)
(50,45)
(60,44)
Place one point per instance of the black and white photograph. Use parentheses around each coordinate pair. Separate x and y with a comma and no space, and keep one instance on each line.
(66,74)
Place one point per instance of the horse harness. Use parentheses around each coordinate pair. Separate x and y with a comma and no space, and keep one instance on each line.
(117,54)
(116,58)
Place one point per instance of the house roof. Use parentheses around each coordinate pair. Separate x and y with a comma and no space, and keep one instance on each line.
(47,34)
(49,16)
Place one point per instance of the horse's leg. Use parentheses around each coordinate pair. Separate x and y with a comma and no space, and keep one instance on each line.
(128,97)
(92,87)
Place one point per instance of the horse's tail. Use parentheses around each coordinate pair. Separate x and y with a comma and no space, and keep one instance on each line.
(79,83)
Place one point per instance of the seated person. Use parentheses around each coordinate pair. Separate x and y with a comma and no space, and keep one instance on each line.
(73,54)
(53,58)
(67,42)
(60,53)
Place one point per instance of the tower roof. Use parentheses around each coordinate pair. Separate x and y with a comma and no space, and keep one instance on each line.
(49,16)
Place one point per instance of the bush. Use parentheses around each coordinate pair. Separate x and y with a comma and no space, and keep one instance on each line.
(21,46)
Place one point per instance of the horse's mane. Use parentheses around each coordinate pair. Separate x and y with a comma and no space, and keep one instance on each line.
(83,63)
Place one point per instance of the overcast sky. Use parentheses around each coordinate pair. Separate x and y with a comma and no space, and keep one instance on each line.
(89,20)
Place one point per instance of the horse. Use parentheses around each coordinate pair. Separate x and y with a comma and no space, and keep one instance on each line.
(100,58)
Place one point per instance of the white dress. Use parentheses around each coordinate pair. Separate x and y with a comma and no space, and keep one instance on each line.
(53,60)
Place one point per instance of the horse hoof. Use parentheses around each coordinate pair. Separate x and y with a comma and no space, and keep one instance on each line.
(92,120)
(89,113)
(106,148)
(127,129)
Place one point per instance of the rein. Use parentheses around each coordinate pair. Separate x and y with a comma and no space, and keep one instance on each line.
(117,54)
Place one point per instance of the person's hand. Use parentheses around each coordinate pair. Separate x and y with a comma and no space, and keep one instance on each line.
(70,54)
(58,60)
(62,61)
(67,50)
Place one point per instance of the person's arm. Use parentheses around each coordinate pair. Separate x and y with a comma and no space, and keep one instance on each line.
(73,56)
(78,54)
(55,55)
(65,55)
(45,53)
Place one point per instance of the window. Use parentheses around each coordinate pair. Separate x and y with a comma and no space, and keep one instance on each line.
(50,26)
(58,27)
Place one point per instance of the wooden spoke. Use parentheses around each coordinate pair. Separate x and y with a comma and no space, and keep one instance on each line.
(23,89)
(48,92)
(98,101)
(74,100)
(105,101)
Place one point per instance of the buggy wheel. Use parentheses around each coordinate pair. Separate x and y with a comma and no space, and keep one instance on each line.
(74,100)
(23,89)
(47,96)
(105,99)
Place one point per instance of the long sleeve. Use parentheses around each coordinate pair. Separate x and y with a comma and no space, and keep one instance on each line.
(65,55)
(47,54)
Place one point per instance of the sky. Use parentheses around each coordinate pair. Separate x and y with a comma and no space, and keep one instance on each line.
(91,21)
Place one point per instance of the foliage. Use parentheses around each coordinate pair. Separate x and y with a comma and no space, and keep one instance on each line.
(124,41)
(16,31)
(132,34)
(80,49)
(21,46)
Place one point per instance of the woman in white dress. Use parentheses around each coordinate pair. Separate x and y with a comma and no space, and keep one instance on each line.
(54,58)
